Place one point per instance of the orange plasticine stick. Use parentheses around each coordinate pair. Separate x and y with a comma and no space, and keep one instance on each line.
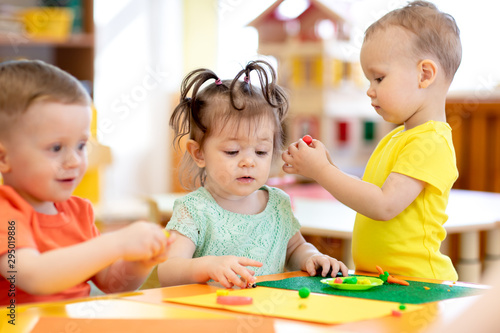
(392,279)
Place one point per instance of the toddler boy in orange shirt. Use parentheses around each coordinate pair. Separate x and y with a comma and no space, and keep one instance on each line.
(50,246)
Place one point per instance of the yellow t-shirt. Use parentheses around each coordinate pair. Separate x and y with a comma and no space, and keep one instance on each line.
(409,243)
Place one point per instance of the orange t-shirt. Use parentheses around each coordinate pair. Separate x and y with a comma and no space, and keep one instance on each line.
(22,227)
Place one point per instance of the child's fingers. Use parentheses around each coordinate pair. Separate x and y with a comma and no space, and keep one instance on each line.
(224,281)
(301,144)
(339,266)
(325,262)
(287,158)
(294,144)
(161,239)
(292,148)
(344,269)
(245,277)
(158,259)
(154,243)
(327,265)
(249,262)
(233,278)
(288,165)
(310,267)
(161,257)
(172,236)
(289,169)
(157,249)
(141,241)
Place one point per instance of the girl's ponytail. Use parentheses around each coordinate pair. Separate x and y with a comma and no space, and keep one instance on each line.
(188,112)
(274,95)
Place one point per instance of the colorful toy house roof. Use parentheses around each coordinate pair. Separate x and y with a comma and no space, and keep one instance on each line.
(273,27)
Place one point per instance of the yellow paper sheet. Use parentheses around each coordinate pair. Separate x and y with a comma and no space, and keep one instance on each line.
(327,309)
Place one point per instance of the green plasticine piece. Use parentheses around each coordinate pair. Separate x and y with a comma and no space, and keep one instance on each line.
(351,280)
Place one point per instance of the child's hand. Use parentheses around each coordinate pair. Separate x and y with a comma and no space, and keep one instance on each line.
(143,241)
(161,257)
(326,263)
(306,160)
(225,270)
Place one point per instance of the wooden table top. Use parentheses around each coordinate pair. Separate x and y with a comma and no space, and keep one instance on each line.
(177,314)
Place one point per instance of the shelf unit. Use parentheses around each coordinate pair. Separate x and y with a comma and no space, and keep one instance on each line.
(75,55)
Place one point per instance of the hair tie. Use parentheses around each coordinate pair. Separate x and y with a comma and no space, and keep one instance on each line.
(246,79)
(218,82)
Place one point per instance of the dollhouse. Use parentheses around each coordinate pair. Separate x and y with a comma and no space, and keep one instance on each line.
(323,76)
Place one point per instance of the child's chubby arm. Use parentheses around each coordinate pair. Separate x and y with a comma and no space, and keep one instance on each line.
(129,273)
(182,268)
(378,203)
(301,255)
(133,251)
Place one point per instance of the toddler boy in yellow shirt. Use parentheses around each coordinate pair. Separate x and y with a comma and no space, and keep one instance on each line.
(410,57)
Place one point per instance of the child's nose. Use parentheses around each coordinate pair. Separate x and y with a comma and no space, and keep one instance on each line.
(247,161)
(370,92)
(73,159)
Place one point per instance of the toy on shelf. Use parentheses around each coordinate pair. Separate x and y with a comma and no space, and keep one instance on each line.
(384,276)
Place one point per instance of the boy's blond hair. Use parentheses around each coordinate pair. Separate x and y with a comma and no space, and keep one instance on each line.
(25,82)
(435,33)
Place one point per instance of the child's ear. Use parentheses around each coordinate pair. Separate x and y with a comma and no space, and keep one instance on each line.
(194,150)
(427,73)
(4,165)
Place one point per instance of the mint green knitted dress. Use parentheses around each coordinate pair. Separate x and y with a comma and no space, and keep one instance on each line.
(216,232)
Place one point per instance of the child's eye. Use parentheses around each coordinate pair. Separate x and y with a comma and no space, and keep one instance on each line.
(231,152)
(379,79)
(261,153)
(82,146)
(56,148)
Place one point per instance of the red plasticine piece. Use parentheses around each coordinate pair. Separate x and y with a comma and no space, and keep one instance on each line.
(396,313)
(307,139)
(234,300)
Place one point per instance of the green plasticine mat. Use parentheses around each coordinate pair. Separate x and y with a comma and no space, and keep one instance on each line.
(415,293)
